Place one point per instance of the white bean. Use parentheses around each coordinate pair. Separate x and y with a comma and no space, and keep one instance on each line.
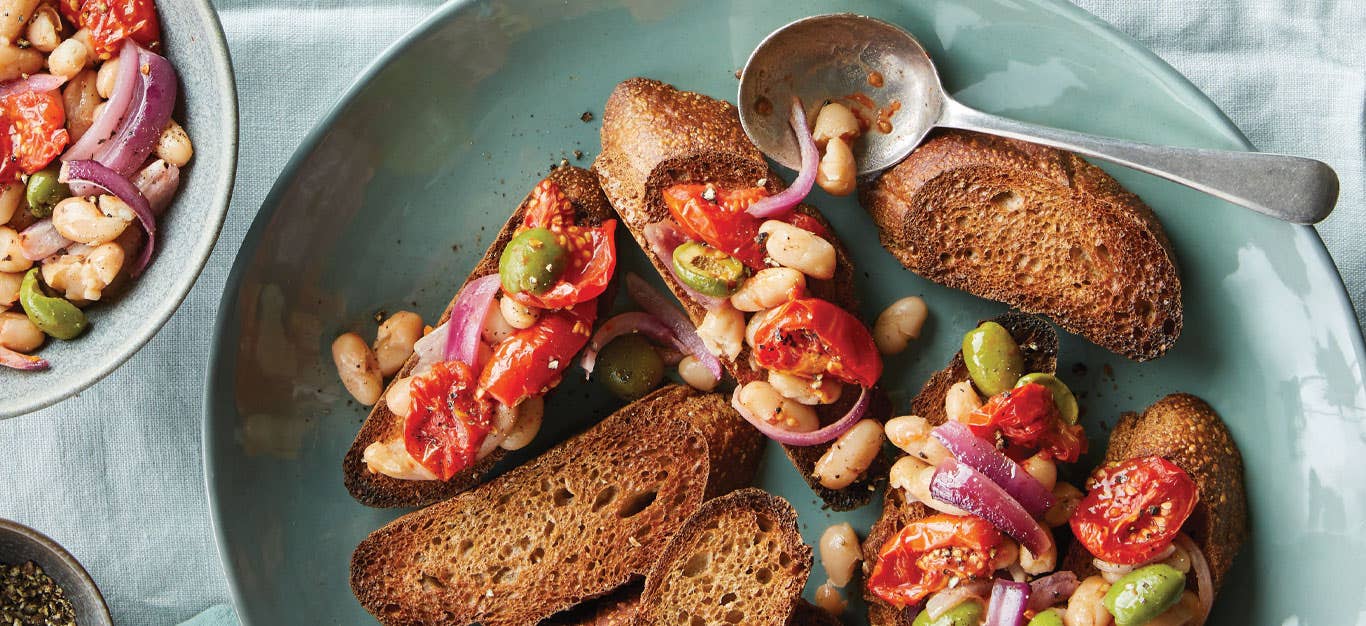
(10,195)
(695,374)
(807,391)
(765,403)
(496,327)
(920,488)
(174,146)
(391,459)
(908,432)
(839,548)
(1043,469)
(1041,563)
(837,172)
(961,400)
(399,396)
(1086,607)
(9,288)
(82,102)
(1006,554)
(529,415)
(14,14)
(830,600)
(769,288)
(357,368)
(18,333)
(81,221)
(899,323)
(798,249)
(752,327)
(16,62)
(1180,559)
(905,472)
(83,275)
(12,257)
(1066,498)
(394,341)
(516,314)
(108,77)
(723,331)
(68,59)
(1183,612)
(851,455)
(835,120)
(44,30)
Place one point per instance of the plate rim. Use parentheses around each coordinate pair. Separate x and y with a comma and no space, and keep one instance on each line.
(1163,70)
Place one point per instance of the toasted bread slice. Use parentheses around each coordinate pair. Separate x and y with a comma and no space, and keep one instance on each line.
(1037,228)
(739,560)
(1039,344)
(655,136)
(1186,431)
(576,523)
(378,490)
(619,609)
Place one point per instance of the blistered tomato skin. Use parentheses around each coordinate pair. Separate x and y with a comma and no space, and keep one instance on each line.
(1134,509)
(110,22)
(930,552)
(37,122)
(590,253)
(532,361)
(448,421)
(811,337)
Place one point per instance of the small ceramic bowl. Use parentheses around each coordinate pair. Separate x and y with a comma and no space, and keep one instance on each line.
(186,234)
(20,544)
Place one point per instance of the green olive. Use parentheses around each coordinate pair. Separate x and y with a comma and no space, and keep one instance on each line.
(1143,594)
(966,613)
(993,358)
(54,316)
(532,261)
(1048,617)
(1062,396)
(629,367)
(708,270)
(44,191)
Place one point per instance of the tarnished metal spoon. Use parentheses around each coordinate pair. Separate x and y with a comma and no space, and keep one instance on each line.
(832,56)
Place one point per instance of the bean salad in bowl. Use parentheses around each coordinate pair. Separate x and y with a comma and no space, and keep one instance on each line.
(89,159)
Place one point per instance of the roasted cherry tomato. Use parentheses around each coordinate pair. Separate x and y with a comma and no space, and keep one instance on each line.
(592,253)
(811,337)
(720,222)
(927,553)
(1027,417)
(1134,509)
(36,121)
(110,22)
(448,421)
(531,361)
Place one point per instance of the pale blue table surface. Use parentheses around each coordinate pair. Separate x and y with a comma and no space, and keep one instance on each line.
(114,474)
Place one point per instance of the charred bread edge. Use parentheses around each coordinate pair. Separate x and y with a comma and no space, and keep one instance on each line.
(378,490)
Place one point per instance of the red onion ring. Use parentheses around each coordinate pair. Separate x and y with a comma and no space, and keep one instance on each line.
(147,117)
(625,324)
(980,455)
(784,201)
(108,121)
(102,178)
(158,183)
(21,361)
(656,304)
(35,82)
(813,438)
(958,484)
(1007,604)
(1203,579)
(1052,590)
(466,323)
(664,237)
(41,240)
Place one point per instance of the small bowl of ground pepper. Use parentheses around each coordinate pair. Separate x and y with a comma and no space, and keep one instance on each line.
(41,584)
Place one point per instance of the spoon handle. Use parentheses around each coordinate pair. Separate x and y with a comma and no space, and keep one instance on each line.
(1289,188)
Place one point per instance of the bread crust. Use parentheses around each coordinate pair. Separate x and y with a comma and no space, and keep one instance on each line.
(377,490)
(591,525)
(1037,228)
(1039,344)
(654,136)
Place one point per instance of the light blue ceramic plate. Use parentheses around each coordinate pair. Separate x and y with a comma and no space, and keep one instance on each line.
(392,198)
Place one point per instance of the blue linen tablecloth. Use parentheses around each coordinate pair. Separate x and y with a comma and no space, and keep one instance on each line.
(114,474)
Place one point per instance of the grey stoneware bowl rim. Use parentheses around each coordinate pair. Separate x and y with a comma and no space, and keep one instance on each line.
(67,563)
(438,17)
(193,265)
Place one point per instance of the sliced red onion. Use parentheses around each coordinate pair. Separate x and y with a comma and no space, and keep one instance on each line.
(815,437)
(1204,581)
(467,320)
(1051,590)
(943,601)
(980,455)
(957,484)
(625,324)
(656,304)
(35,82)
(1008,602)
(41,240)
(108,181)
(158,183)
(429,350)
(783,202)
(20,361)
(664,237)
(146,117)
(125,84)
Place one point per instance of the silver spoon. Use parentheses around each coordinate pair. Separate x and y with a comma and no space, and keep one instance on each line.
(830,56)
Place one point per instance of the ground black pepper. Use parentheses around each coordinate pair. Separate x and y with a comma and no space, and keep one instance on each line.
(28,597)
